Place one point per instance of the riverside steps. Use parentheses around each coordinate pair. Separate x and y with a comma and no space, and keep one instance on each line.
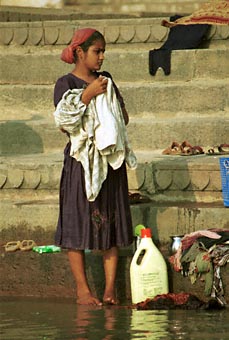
(181,194)
(136,6)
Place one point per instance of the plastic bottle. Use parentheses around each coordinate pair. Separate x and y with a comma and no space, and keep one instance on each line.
(176,241)
(148,270)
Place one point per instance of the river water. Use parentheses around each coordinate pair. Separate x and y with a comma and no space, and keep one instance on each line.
(42,319)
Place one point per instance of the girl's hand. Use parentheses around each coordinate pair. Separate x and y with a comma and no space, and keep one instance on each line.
(98,86)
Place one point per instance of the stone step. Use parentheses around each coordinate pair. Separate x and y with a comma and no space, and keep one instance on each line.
(43,66)
(49,276)
(184,194)
(159,100)
(29,13)
(156,134)
(156,118)
(116,31)
(145,133)
(200,96)
(135,6)
(125,2)
(37,219)
(76,9)
(40,171)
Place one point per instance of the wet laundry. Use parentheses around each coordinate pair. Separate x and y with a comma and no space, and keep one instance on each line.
(178,301)
(200,256)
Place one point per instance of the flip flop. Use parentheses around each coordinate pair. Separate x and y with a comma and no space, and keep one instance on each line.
(19,245)
(12,246)
(27,245)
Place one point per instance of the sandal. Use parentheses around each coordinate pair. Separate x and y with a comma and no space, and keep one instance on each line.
(17,245)
(186,148)
(12,246)
(189,150)
(27,245)
(222,149)
(174,149)
(198,150)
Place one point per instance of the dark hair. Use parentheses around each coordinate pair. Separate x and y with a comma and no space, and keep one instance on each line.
(89,42)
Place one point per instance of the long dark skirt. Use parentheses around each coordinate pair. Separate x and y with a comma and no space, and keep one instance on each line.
(101,224)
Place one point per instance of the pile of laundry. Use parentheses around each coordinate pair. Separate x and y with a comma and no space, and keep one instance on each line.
(201,255)
(178,301)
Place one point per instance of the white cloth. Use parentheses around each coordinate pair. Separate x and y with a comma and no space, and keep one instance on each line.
(98,135)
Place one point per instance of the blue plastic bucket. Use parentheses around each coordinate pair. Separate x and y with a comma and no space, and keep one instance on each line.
(224,170)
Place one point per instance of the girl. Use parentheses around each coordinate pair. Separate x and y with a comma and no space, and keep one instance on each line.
(99,219)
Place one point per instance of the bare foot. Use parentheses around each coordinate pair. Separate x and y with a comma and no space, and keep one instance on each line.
(110,299)
(88,299)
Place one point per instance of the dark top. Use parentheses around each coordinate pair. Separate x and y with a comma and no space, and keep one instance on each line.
(70,81)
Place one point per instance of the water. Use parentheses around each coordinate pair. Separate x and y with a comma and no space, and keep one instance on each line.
(41,319)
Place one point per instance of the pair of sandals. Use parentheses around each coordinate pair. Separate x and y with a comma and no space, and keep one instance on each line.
(183,149)
(222,149)
(19,245)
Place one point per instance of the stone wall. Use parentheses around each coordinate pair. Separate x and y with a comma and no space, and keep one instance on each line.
(33,3)
(122,6)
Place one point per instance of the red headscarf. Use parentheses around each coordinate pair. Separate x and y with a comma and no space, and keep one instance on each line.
(79,37)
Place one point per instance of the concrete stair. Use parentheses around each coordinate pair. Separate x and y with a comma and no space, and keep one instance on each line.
(136,6)
(30,53)
(86,8)
(189,104)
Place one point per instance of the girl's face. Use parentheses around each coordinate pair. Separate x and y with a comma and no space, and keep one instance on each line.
(93,58)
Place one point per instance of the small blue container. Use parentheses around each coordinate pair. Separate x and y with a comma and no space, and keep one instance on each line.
(224,169)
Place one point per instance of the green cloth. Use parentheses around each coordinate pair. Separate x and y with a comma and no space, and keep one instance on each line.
(200,265)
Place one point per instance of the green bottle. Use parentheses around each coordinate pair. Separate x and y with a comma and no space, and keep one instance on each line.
(47,249)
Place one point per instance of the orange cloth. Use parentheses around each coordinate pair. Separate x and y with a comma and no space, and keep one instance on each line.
(215,12)
(79,37)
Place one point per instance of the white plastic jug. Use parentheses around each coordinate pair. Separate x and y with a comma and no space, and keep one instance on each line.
(148,270)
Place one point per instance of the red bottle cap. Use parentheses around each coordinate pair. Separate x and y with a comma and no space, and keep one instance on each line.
(146,232)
